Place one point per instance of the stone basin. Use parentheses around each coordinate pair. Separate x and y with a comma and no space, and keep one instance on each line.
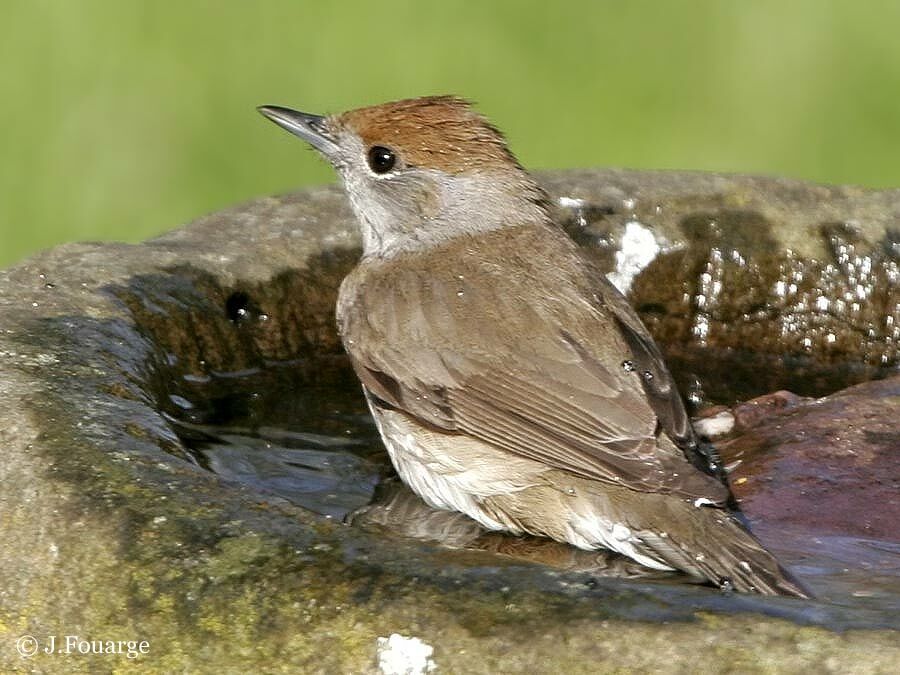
(117,362)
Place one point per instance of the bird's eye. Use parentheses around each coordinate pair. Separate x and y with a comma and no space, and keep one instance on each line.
(381,159)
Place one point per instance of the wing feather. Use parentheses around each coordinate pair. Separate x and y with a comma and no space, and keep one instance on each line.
(537,375)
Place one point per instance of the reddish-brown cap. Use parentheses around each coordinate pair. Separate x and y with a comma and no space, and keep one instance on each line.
(438,132)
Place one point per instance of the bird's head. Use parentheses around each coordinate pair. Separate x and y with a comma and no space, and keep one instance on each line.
(420,171)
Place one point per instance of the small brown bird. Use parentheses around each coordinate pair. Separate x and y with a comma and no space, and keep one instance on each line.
(508,378)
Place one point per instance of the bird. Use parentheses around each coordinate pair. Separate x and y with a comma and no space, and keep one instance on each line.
(508,378)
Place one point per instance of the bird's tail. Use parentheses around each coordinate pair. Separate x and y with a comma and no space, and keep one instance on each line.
(713,545)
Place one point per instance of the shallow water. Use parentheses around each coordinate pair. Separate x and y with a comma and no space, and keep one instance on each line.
(301,432)
(314,445)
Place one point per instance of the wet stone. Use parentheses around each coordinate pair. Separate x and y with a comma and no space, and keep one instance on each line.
(183,441)
(830,465)
(819,480)
(811,309)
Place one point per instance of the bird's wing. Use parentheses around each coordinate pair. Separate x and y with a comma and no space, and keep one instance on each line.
(562,380)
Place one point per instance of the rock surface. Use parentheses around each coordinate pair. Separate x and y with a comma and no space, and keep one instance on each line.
(111,532)
(831,465)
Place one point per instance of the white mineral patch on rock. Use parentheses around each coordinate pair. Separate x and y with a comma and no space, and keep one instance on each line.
(398,655)
(639,248)
(718,425)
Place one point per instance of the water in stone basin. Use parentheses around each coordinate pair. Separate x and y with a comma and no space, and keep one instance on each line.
(300,431)
(315,445)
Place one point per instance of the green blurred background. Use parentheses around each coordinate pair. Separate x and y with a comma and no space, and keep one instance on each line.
(123,119)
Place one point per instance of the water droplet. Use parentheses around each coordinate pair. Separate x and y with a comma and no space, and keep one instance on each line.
(460,293)
(237,307)
(181,402)
(647,375)
(628,366)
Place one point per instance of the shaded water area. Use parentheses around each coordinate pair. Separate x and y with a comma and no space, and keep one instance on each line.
(315,444)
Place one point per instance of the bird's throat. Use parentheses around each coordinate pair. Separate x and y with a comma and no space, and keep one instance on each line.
(450,207)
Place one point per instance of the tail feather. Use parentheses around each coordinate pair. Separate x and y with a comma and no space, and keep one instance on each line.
(712,545)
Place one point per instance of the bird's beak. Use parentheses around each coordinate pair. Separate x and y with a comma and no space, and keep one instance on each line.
(311,128)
